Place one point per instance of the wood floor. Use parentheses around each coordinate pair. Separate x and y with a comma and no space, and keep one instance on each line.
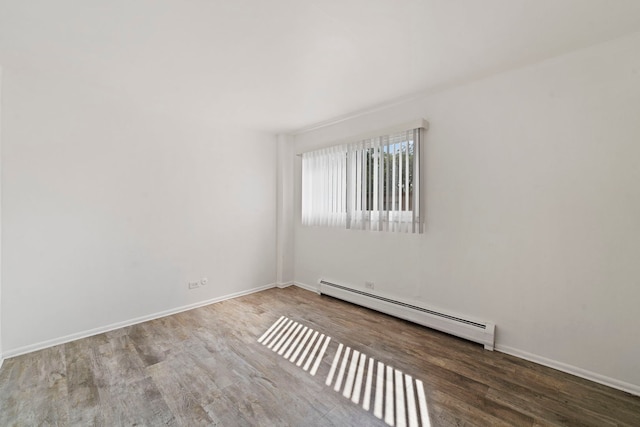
(205,367)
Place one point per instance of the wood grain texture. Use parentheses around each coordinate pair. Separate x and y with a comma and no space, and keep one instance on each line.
(204,367)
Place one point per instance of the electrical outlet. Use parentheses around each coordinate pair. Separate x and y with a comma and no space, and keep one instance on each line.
(204,281)
(193,285)
(369,285)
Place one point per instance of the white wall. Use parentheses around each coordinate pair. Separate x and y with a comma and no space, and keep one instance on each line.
(108,211)
(533,211)
(284,252)
(1,356)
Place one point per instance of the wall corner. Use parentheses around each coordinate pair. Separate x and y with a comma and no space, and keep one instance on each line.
(284,214)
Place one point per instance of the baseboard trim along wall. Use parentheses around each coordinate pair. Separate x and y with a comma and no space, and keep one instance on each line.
(570,369)
(84,334)
(312,288)
(560,366)
(284,285)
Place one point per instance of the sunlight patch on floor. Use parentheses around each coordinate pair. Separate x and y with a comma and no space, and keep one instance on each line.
(395,396)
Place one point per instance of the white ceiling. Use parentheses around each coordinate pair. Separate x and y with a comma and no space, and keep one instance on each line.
(280,65)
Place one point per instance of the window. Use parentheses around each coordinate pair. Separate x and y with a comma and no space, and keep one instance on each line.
(373,184)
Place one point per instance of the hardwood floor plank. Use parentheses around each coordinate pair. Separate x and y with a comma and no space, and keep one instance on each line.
(147,344)
(180,400)
(342,415)
(84,397)
(41,395)
(139,403)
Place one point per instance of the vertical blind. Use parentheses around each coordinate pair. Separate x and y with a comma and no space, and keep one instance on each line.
(373,184)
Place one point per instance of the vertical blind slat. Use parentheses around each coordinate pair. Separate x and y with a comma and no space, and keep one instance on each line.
(373,184)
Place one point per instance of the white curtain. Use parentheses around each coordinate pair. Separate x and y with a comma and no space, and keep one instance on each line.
(373,184)
(324,189)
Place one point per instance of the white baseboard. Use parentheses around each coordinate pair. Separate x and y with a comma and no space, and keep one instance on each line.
(1,361)
(84,334)
(311,288)
(570,369)
(284,285)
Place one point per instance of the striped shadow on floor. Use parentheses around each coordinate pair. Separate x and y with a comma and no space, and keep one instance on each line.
(392,395)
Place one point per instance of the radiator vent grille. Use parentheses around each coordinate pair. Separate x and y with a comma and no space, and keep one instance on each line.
(474,330)
(404,304)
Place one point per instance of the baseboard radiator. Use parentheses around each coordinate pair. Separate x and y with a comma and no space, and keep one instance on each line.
(471,329)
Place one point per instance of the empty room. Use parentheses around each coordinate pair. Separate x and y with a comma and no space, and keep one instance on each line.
(320,213)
